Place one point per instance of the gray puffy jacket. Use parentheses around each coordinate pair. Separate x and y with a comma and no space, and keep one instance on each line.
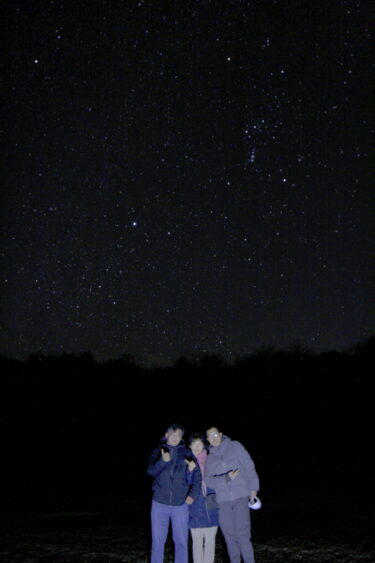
(230,455)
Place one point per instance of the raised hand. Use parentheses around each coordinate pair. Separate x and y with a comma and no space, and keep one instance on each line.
(234,473)
(191,464)
(165,455)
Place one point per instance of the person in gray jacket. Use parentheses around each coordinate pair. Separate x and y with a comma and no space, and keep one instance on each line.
(230,471)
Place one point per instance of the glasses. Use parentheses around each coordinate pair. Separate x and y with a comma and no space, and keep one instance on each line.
(213,435)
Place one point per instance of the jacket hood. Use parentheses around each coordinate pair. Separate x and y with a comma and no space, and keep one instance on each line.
(216,450)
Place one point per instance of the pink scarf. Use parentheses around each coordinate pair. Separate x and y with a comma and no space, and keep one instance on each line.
(201,458)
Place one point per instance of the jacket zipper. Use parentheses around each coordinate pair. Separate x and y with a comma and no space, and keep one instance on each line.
(171,490)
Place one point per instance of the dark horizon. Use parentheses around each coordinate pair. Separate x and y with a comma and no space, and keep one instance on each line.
(78,426)
(195,358)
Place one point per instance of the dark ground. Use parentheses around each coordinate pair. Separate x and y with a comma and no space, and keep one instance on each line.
(320,531)
(76,437)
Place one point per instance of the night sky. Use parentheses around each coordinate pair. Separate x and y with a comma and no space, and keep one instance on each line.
(185,177)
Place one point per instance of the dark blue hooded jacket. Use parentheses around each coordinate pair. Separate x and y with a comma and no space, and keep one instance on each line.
(171,485)
(202,514)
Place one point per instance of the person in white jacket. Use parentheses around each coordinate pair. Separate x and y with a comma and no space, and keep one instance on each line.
(230,471)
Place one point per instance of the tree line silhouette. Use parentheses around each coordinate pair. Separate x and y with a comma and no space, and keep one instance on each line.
(74,430)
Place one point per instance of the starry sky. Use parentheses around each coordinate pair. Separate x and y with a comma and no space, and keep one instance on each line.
(185,177)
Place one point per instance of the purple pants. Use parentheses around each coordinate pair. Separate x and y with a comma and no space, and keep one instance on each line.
(234,520)
(161,514)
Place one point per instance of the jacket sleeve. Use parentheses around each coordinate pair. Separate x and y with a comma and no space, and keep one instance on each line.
(195,481)
(213,480)
(248,468)
(156,463)
(189,477)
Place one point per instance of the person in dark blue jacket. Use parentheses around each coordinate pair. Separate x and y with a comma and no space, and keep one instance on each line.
(203,513)
(177,482)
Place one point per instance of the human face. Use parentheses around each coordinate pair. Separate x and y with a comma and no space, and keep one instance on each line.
(214,436)
(173,437)
(197,447)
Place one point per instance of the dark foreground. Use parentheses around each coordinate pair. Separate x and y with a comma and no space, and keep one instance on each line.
(76,438)
(327,531)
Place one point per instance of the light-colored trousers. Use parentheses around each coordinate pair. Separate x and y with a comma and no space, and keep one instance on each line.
(203,544)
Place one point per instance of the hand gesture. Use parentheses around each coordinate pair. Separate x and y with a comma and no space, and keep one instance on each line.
(165,455)
(189,500)
(191,464)
(234,473)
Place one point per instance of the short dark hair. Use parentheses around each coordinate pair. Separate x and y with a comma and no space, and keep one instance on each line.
(213,426)
(175,426)
(197,436)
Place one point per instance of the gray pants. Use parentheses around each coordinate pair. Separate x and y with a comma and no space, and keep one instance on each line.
(234,520)
(204,544)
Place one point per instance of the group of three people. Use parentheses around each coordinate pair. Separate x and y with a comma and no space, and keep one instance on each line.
(199,489)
